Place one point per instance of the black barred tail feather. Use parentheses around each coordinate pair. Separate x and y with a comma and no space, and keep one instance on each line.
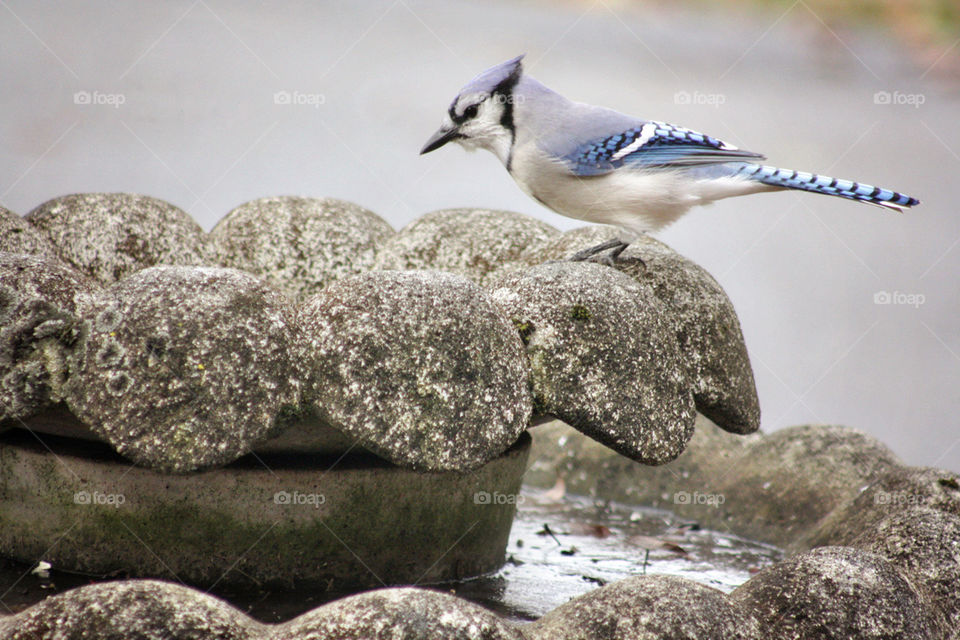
(789,179)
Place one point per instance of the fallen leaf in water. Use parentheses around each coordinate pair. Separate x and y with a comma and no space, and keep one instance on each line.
(42,570)
(556,493)
(587,529)
(650,543)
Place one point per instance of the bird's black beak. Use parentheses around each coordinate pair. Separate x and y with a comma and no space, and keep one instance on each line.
(443,135)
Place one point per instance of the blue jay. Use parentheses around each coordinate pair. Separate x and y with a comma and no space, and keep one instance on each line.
(602,166)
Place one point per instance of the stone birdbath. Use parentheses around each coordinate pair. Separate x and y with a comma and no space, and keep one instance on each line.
(304,400)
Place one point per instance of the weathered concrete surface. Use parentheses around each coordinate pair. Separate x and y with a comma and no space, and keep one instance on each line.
(282,520)
(790,479)
(589,468)
(19,236)
(39,328)
(407,614)
(800,487)
(128,610)
(602,357)
(470,242)
(305,432)
(648,608)
(299,245)
(705,322)
(899,582)
(419,367)
(156,610)
(924,544)
(837,592)
(708,332)
(774,488)
(895,490)
(111,235)
(186,368)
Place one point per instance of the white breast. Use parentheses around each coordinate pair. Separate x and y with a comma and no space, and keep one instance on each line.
(637,201)
(634,201)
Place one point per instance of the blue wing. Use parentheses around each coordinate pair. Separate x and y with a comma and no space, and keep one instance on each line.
(652,144)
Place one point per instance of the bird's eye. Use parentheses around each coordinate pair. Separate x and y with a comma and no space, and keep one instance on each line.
(471,111)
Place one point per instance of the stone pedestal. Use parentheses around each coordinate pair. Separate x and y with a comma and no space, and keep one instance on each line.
(287,519)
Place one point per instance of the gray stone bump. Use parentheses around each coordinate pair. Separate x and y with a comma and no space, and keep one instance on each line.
(781,488)
(127,609)
(603,357)
(299,245)
(706,324)
(896,489)
(39,328)
(186,368)
(648,608)
(837,592)
(18,236)
(792,478)
(924,543)
(708,331)
(156,610)
(110,235)
(419,366)
(470,242)
(407,613)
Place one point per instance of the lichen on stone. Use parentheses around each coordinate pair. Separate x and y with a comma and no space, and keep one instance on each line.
(472,243)
(704,320)
(111,235)
(603,357)
(41,326)
(186,367)
(420,367)
(299,245)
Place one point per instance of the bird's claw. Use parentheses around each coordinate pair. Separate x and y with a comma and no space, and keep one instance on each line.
(615,248)
(608,254)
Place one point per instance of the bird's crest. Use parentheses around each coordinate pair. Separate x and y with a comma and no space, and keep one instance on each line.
(502,75)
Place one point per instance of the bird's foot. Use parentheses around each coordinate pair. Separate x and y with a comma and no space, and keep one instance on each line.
(615,247)
(608,254)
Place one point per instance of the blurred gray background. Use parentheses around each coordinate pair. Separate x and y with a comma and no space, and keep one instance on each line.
(208,104)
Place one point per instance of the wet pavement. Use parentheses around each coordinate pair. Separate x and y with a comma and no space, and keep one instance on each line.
(559,550)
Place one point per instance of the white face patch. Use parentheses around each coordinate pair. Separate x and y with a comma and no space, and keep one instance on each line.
(485,131)
(464,102)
